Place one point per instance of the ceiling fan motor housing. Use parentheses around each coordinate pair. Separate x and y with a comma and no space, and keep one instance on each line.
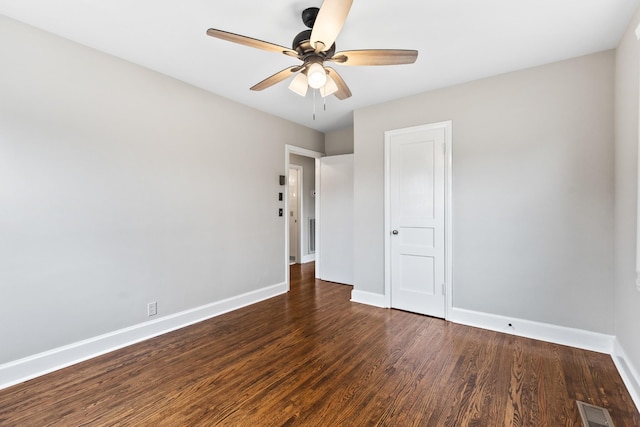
(301,42)
(302,45)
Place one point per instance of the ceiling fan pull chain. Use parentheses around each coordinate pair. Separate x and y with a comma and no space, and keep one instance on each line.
(324,103)
(314,104)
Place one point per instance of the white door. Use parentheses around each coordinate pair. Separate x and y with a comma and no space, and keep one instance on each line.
(415,186)
(336,216)
(294,214)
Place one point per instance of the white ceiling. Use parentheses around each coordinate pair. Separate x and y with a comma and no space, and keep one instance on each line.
(458,41)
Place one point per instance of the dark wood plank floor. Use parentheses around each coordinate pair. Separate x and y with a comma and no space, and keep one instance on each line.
(313,358)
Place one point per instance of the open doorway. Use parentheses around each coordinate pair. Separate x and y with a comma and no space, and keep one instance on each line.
(301,232)
(301,213)
(296,210)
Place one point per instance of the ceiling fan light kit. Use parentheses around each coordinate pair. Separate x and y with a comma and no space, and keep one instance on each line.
(316,75)
(316,46)
(329,88)
(299,84)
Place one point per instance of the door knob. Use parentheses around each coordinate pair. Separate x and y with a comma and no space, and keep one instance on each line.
(394,232)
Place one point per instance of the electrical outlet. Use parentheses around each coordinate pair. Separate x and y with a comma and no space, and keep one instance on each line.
(152,308)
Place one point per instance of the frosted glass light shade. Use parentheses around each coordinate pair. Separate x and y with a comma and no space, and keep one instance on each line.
(299,84)
(329,88)
(317,76)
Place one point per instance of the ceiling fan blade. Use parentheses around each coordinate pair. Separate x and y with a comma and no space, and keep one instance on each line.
(329,22)
(375,57)
(251,42)
(277,77)
(343,90)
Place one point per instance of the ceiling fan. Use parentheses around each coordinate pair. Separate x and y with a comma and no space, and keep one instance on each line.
(316,46)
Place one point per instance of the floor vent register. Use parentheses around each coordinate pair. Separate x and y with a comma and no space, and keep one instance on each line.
(594,416)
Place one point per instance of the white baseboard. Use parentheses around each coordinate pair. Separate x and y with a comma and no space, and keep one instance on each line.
(577,338)
(308,258)
(21,370)
(627,371)
(572,337)
(369,298)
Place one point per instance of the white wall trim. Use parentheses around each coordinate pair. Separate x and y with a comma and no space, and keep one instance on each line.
(369,298)
(318,202)
(448,217)
(578,338)
(30,367)
(303,151)
(627,371)
(572,337)
(308,258)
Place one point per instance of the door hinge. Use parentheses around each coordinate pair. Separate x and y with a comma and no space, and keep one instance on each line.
(444,290)
(444,148)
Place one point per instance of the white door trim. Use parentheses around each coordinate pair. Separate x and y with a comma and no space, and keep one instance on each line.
(292,149)
(447,126)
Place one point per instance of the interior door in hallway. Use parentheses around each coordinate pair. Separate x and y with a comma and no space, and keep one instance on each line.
(415,206)
(336,216)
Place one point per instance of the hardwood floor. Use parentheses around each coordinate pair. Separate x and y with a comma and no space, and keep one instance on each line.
(313,358)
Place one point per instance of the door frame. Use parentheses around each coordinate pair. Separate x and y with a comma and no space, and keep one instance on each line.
(448,214)
(300,171)
(292,149)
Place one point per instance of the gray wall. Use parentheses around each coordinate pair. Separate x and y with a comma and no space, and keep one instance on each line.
(532,191)
(339,142)
(627,307)
(120,186)
(308,202)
